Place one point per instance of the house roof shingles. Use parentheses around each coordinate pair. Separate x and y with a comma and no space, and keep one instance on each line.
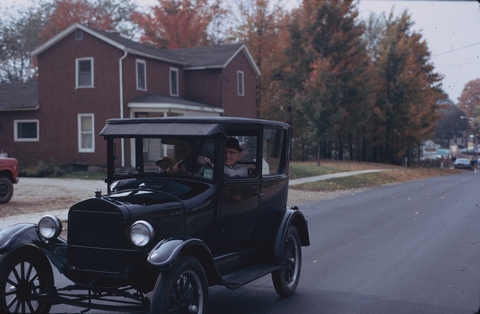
(19,96)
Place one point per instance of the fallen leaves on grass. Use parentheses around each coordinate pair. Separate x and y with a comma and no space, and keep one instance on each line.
(392,174)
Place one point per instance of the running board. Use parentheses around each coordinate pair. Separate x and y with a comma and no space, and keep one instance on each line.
(244,276)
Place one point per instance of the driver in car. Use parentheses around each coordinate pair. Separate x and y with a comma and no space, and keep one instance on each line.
(232,154)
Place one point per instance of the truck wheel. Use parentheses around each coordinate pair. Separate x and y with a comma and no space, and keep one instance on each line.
(24,274)
(285,279)
(182,289)
(6,190)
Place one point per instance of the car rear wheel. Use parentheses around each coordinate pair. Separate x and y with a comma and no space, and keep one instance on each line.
(182,289)
(24,274)
(285,279)
(6,190)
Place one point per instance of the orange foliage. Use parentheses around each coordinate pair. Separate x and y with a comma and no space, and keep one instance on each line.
(470,98)
(68,12)
(177,23)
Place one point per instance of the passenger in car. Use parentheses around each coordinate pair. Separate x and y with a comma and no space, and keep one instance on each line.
(232,154)
(165,164)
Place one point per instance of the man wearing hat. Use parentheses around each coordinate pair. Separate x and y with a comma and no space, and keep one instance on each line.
(232,153)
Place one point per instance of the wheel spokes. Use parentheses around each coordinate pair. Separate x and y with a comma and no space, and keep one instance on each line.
(23,282)
(183,298)
(290,261)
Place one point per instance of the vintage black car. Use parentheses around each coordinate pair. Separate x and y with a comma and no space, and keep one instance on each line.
(174,231)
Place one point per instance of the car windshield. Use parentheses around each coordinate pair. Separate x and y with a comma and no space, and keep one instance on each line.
(167,156)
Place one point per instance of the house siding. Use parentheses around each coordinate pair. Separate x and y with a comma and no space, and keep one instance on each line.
(218,87)
(205,86)
(235,105)
(61,101)
(158,77)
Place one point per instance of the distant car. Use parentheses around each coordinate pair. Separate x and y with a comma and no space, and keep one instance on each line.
(171,232)
(8,177)
(462,163)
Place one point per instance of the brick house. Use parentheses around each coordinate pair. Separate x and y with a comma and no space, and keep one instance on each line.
(86,76)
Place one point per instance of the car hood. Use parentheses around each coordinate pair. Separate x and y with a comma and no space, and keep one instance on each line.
(144,196)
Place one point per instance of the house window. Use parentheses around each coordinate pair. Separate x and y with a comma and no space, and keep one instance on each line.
(78,35)
(240,83)
(86,130)
(26,131)
(173,82)
(84,69)
(141,75)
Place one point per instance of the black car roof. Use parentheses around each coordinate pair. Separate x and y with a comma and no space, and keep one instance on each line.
(187,126)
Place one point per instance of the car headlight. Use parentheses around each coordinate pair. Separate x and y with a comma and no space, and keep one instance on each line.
(49,227)
(141,233)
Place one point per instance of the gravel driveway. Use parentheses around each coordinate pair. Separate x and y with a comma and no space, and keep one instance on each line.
(46,194)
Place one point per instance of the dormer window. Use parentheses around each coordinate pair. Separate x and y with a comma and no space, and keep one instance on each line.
(141,68)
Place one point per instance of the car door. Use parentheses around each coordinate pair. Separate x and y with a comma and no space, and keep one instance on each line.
(240,197)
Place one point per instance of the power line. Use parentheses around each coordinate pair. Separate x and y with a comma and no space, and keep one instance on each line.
(455,65)
(445,52)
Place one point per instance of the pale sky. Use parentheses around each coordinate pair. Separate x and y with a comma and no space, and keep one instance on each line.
(451,29)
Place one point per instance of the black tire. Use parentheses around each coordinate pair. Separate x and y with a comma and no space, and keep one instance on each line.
(182,289)
(24,273)
(285,279)
(6,190)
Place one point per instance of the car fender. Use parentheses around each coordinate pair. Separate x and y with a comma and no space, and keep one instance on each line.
(292,216)
(167,251)
(16,235)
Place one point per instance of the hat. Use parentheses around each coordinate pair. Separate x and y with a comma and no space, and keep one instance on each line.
(232,142)
(167,159)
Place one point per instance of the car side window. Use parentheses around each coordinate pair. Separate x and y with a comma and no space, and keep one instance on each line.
(273,157)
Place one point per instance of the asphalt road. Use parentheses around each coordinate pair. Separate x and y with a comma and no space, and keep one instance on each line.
(407,248)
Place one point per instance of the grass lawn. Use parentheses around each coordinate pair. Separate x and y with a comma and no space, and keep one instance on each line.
(392,174)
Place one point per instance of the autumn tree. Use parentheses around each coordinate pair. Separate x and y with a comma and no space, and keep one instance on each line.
(179,23)
(327,73)
(19,29)
(405,111)
(469,102)
(107,15)
(470,98)
(261,27)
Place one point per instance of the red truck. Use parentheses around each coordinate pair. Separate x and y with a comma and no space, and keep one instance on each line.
(8,176)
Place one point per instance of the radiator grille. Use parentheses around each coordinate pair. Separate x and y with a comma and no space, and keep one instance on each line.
(94,238)
(96,229)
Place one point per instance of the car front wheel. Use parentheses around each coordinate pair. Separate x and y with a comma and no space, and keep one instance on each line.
(285,279)
(6,190)
(182,289)
(24,274)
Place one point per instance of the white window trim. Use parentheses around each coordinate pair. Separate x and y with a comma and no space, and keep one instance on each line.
(170,79)
(77,72)
(240,83)
(15,131)
(79,131)
(139,61)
